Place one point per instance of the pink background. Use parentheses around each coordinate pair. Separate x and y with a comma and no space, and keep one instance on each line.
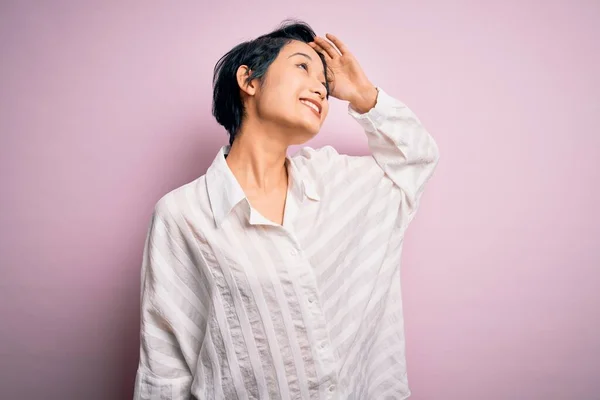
(105,106)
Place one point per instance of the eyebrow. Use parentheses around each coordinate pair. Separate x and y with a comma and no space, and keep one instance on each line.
(298,53)
(301,54)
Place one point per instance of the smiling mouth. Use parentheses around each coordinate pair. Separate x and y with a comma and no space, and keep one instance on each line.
(316,109)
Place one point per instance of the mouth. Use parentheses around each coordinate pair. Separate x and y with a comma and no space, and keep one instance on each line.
(313,105)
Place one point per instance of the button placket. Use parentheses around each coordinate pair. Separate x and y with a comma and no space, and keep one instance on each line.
(303,273)
(306,278)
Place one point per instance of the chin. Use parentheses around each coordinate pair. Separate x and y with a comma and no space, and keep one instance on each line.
(312,130)
(304,134)
(302,130)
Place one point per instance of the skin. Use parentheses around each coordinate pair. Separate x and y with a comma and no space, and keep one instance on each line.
(276,116)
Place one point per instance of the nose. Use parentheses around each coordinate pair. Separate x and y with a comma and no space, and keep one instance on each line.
(319,89)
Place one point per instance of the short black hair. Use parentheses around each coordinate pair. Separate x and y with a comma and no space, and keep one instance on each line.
(257,54)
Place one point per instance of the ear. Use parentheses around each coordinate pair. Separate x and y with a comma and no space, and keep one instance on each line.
(242,75)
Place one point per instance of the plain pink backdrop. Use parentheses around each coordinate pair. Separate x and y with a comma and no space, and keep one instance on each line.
(105,106)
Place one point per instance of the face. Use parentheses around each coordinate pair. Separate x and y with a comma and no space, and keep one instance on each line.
(293,96)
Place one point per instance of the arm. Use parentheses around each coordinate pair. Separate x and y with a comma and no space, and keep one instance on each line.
(400,145)
(170,334)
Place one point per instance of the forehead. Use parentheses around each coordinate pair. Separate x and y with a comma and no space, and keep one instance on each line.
(298,46)
(295,46)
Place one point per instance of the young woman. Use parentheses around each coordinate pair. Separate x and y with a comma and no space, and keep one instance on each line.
(277,277)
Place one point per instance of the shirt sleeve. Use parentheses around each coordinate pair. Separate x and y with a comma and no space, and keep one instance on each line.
(171,318)
(401,146)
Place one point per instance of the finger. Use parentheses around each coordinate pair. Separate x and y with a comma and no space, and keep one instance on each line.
(327,46)
(321,50)
(338,43)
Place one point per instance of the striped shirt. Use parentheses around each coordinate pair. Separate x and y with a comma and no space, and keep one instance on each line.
(235,306)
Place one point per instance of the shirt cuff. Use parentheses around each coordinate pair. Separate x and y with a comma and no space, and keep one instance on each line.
(384,106)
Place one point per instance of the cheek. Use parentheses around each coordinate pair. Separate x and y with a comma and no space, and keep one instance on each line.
(280,102)
(276,105)
(280,93)
(269,103)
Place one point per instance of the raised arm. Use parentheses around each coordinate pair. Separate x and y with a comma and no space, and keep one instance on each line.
(401,146)
(399,143)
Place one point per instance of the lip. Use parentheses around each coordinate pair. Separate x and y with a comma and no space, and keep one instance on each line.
(316,103)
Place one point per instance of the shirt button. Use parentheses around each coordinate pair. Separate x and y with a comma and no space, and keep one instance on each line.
(311,300)
(323,345)
(332,388)
(293,252)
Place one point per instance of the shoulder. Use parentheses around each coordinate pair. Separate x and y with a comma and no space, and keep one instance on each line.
(180,203)
(327,158)
(322,156)
(308,152)
(328,170)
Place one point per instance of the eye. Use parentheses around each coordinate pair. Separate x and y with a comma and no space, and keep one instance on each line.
(303,65)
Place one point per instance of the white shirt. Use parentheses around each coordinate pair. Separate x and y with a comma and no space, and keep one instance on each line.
(235,306)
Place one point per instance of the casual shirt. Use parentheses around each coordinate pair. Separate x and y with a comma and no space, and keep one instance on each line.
(235,306)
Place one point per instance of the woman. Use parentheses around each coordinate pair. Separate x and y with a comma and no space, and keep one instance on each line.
(276,277)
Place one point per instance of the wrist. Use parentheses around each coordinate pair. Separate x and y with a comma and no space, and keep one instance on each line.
(365,99)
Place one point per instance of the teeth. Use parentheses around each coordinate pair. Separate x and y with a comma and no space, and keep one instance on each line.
(311,105)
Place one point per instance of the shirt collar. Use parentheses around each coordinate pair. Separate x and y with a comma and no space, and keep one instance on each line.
(225,192)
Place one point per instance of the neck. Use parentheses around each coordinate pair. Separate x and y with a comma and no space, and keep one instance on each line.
(257,159)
